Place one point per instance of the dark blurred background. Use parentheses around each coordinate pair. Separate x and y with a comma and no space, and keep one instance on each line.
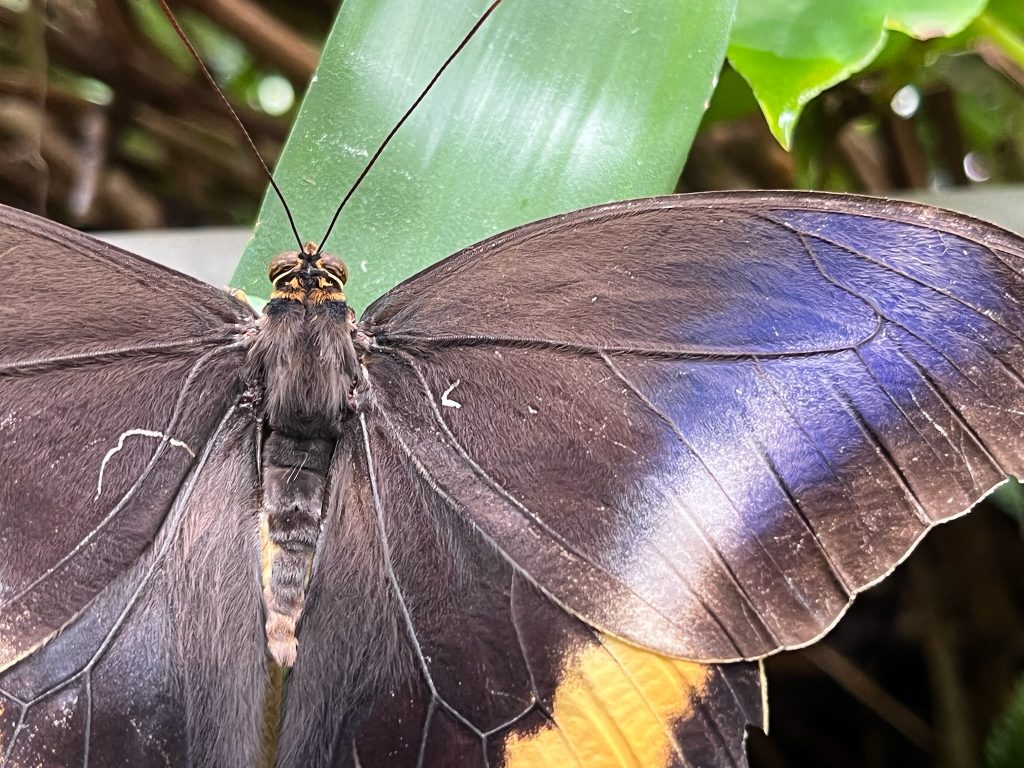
(105,124)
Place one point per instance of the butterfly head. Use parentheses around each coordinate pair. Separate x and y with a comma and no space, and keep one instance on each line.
(307,276)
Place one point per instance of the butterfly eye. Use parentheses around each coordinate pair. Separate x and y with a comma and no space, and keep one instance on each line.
(283,264)
(334,267)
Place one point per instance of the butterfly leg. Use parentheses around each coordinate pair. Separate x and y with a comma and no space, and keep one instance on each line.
(360,397)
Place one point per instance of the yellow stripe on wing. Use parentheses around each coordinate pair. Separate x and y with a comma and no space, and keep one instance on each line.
(615,705)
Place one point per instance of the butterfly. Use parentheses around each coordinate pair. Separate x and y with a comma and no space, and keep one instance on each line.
(480,522)
(644,450)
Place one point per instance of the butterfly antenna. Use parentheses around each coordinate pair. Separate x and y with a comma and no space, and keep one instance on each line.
(234,115)
(387,139)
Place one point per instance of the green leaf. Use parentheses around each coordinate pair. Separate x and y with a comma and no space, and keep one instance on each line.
(792,50)
(732,99)
(547,109)
(1003,24)
(1009,498)
(1005,745)
(1009,12)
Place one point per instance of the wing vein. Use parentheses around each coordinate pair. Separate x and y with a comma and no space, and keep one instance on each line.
(389,569)
(1006,259)
(696,594)
(17,732)
(384,342)
(102,356)
(921,370)
(167,535)
(900,273)
(433,485)
(788,493)
(721,675)
(666,726)
(481,473)
(882,450)
(535,691)
(524,510)
(906,416)
(950,406)
(712,723)
(87,684)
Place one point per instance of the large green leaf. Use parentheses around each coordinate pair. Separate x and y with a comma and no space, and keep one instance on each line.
(551,107)
(792,50)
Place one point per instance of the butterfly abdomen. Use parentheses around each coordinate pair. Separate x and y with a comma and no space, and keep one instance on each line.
(294,474)
(303,368)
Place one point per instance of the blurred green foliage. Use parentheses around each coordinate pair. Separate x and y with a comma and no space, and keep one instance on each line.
(792,50)
(1005,746)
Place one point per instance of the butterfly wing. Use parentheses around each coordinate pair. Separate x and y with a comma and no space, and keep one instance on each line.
(129,585)
(113,374)
(422,646)
(166,666)
(703,423)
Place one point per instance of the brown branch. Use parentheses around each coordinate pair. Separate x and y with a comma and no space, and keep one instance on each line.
(78,183)
(23,172)
(907,159)
(214,148)
(77,42)
(952,727)
(865,157)
(269,37)
(941,108)
(864,689)
(993,55)
(737,154)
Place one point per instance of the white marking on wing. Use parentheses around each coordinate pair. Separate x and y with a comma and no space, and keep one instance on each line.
(446,401)
(137,433)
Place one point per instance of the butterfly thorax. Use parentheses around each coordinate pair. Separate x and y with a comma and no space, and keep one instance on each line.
(303,370)
(303,364)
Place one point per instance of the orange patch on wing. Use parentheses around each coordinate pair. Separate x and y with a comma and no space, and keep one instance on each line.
(615,706)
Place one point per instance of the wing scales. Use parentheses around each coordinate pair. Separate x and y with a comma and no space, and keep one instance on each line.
(716,472)
(696,424)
